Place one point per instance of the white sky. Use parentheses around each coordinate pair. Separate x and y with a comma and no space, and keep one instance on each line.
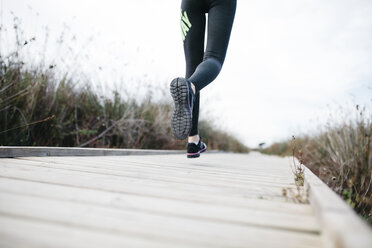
(287,60)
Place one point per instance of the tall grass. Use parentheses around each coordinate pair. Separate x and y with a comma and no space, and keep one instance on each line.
(341,155)
(40,105)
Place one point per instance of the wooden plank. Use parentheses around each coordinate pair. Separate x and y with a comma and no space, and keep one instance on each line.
(63,178)
(13,169)
(245,166)
(341,227)
(159,173)
(22,232)
(119,185)
(182,230)
(15,151)
(226,161)
(213,170)
(267,216)
(207,159)
(183,196)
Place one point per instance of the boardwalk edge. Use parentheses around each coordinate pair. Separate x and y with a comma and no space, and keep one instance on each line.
(341,227)
(21,151)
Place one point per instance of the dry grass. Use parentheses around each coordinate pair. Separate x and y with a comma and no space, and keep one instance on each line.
(300,194)
(43,105)
(341,155)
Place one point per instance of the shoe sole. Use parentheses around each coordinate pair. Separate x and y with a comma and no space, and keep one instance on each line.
(181,120)
(196,155)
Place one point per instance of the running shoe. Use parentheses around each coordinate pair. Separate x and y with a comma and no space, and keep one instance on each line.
(183,98)
(193,150)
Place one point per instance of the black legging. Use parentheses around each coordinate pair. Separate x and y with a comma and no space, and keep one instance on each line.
(203,67)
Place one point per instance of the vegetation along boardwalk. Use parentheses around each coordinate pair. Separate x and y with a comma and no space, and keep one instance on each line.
(219,200)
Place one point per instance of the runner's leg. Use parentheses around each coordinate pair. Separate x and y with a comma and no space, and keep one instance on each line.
(193,46)
(221,15)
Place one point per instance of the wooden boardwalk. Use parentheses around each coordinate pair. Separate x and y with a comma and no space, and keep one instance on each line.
(219,200)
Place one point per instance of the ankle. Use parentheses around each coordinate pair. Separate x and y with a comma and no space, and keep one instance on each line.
(194,139)
(193,87)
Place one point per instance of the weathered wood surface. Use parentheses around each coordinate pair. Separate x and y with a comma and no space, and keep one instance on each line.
(219,200)
(15,151)
(341,227)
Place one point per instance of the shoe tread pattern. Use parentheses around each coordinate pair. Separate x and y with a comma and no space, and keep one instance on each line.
(181,120)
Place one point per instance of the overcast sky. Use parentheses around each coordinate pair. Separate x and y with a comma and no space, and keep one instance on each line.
(287,60)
